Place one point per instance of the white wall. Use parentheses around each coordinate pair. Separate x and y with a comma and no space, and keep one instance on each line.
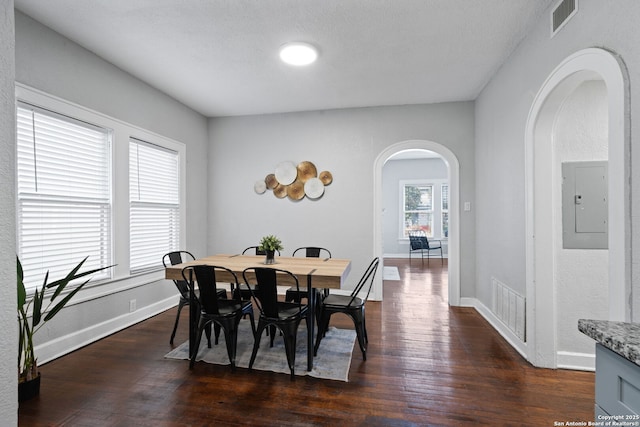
(345,142)
(8,297)
(501,116)
(49,62)
(392,173)
(580,134)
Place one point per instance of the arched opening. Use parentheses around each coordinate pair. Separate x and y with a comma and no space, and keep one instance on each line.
(454,206)
(588,65)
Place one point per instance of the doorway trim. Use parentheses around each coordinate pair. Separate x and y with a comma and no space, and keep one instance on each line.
(587,64)
(454,209)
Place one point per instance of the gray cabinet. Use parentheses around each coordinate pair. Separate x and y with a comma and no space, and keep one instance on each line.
(617,385)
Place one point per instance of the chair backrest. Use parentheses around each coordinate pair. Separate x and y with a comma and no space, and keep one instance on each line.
(205,276)
(257,250)
(366,281)
(418,239)
(313,252)
(267,280)
(174,258)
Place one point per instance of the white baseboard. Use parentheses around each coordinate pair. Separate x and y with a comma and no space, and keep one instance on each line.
(53,349)
(565,359)
(576,361)
(405,255)
(507,334)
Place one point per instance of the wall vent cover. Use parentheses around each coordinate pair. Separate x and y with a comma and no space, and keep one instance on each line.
(561,14)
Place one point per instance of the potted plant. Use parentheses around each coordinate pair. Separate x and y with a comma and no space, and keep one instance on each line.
(270,244)
(28,374)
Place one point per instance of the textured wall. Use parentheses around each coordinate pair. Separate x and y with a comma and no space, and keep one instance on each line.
(502,111)
(8,332)
(47,61)
(580,134)
(51,63)
(346,142)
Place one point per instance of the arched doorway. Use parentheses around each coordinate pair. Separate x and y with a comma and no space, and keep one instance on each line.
(454,214)
(588,64)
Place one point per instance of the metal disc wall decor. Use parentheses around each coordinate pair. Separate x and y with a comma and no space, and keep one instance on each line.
(260,187)
(271,181)
(286,173)
(295,191)
(295,181)
(314,188)
(306,170)
(280,191)
(326,177)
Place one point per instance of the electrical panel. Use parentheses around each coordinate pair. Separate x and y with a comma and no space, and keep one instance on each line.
(585,205)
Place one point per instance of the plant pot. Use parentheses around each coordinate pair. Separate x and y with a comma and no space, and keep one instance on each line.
(270,259)
(29,389)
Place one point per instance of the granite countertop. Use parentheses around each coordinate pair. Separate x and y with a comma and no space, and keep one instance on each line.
(620,337)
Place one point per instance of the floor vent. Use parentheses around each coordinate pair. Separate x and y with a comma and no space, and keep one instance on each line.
(509,307)
(561,14)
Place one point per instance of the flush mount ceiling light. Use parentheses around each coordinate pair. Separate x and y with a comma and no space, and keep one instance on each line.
(298,53)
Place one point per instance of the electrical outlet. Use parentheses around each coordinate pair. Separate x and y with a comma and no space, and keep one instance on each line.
(132,306)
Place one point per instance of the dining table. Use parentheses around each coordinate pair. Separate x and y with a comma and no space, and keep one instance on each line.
(317,273)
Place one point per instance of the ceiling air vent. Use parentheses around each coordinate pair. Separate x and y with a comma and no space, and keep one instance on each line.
(561,14)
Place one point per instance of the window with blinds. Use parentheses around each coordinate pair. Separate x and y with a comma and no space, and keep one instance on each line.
(64,194)
(154,191)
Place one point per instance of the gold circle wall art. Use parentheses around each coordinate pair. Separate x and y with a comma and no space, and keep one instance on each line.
(280,191)
(306,171)
(295,181)
(270,181)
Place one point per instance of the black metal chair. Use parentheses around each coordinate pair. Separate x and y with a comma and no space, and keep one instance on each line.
(174,258)
(293,294)
(244,288)
(222,313)
(285,316)
(257,250)
(418,241)
(352,306)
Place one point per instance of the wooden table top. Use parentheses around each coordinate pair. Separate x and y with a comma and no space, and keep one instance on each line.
(324,272)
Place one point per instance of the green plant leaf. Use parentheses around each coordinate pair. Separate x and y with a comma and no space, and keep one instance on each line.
(21,336)
(22,292)
(63,302)
(62,283)
(38,297)
(271,243)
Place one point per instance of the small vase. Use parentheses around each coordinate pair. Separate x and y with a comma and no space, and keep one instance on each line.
(270,259)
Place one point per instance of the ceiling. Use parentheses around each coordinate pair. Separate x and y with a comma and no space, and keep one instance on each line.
(220,57)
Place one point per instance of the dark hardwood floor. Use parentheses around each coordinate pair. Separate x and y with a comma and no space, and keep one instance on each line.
(428,364)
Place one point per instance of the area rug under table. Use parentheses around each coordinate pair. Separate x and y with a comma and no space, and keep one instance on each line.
(332,362)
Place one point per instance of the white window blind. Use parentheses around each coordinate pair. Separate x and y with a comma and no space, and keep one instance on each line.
(445,210)
(64,194)
(154,188)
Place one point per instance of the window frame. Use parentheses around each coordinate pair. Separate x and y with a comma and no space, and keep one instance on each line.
(436,211)
(122,132)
